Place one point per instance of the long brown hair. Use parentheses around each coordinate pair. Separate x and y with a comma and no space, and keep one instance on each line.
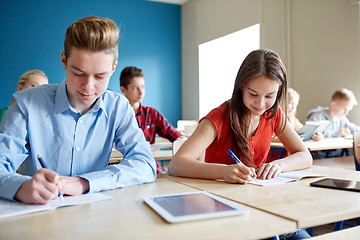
(258,63)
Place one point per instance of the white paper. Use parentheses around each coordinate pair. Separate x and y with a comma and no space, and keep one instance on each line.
(286,177)
(9,208)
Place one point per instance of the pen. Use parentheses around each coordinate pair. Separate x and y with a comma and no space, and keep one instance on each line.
(234,157)
(43,165)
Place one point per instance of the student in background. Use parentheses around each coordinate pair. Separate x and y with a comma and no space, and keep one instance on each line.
(245,124)
(293,102)
(29,79)
(342,101)
(73,126)
(150,120)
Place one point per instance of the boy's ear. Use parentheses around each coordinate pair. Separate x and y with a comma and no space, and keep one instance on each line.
(63,59)
(122,89)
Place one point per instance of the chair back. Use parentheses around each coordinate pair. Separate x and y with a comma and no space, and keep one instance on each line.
(177,144)
(357,150)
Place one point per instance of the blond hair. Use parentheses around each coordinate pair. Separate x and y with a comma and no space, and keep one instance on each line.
(26,76)
(294,95)
(344,94)
(94,34)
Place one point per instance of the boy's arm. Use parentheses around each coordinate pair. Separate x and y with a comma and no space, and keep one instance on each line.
(13,151)
(138,164)
(165,129)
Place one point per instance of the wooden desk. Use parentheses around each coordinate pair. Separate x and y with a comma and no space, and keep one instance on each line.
(324,144)
(116,156)
(126,216)
(308,206)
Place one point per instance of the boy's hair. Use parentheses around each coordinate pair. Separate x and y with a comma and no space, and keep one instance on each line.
(344,94)
(94,34)
(25,77)
(129,73)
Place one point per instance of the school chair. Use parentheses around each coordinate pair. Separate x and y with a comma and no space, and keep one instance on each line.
(187,127)
(177,144)
(339,225)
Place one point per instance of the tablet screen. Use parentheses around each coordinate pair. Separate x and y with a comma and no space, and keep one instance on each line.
(350,185)
(192,206)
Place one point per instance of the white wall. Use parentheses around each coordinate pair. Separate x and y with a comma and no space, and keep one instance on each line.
(324,52)
(318,42)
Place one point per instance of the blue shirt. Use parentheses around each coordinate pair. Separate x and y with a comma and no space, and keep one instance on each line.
(41,121)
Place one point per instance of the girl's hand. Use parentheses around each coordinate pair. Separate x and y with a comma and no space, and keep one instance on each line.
(237,173)
(268,170)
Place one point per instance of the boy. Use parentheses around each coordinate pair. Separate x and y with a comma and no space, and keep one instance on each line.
(150,120)
(73,126)
(342,102)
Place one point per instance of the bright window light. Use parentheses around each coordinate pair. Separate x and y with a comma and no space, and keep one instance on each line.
(219,62)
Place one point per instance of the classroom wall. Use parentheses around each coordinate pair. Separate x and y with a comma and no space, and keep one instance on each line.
(318,42)
(33,34)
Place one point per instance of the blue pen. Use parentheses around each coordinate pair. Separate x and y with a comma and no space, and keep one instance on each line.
(43,165)
(234,157)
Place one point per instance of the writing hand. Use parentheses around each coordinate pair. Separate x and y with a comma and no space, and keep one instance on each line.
(41,188)
(237,173)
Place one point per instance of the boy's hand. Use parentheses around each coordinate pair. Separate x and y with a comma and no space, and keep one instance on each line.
(41,188)
(343,132)
(317,136)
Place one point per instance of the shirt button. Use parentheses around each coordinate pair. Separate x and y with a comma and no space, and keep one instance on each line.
(148,126)
(81,121)
(77,149)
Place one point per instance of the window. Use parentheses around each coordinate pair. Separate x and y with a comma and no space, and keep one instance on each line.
(219,62)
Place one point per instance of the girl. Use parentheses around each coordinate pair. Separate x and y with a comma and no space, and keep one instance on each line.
(245,124)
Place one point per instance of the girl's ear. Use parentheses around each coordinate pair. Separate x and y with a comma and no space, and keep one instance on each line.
(19,87)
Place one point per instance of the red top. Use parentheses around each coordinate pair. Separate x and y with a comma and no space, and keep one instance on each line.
(260,142)
(152,122)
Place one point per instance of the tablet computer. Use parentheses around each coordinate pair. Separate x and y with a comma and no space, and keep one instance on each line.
(335,183)
(192,206)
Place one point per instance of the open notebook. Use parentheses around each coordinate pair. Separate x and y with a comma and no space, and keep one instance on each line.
(286,177)
(9,208)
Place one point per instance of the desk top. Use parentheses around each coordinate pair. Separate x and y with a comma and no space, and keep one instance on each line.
(308,206)
(324,144)
(159,155)
(126,216)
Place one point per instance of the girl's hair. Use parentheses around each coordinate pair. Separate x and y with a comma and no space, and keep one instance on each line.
(128,73)
(94,34)
(258,63)
(26,76)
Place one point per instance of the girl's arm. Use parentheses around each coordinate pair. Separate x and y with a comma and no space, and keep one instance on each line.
(186,162)
(299,157)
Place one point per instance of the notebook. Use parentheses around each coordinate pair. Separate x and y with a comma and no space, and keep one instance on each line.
(286,177)
(9,208)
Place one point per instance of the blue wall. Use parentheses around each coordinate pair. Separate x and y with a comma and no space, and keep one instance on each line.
(32,35)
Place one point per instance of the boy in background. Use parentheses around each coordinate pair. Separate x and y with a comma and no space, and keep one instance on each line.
(342,102)
(150,120)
